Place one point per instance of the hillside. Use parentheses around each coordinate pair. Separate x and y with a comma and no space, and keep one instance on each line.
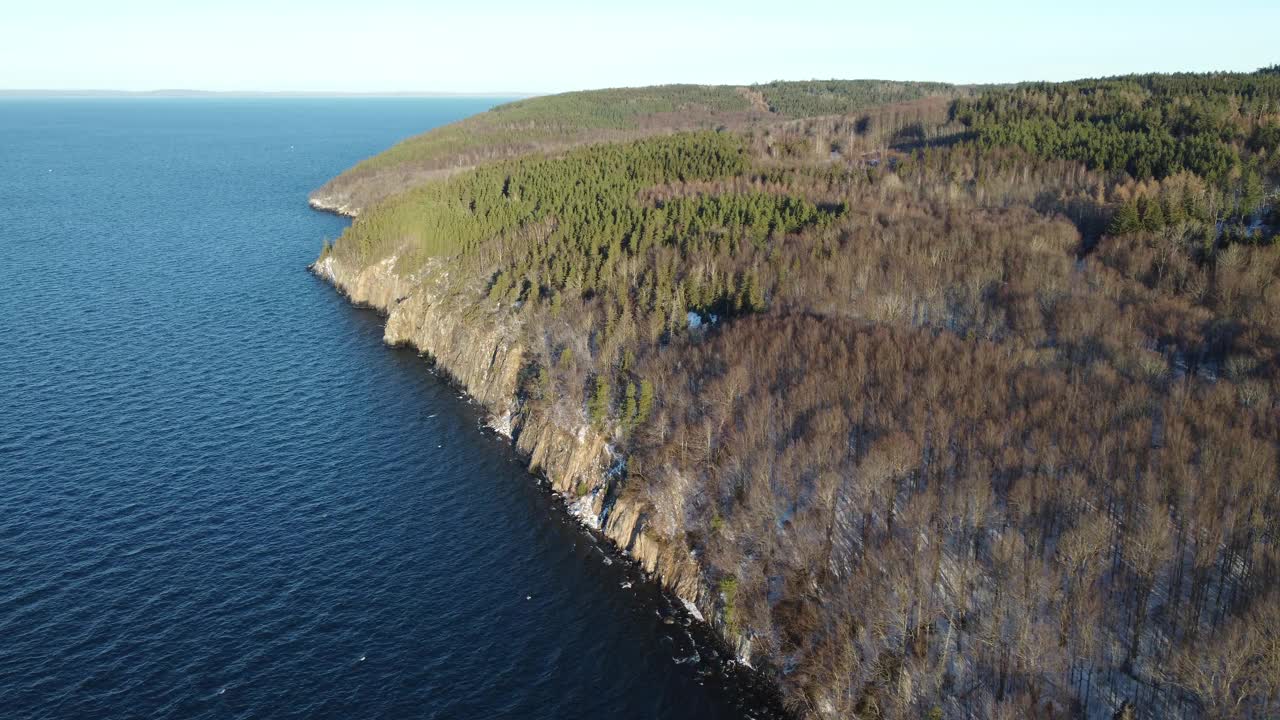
(558,122)
(937,402)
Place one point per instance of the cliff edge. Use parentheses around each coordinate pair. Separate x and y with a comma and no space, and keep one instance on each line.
(477,345)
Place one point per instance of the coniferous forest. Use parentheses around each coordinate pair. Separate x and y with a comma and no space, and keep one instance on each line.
(966,400)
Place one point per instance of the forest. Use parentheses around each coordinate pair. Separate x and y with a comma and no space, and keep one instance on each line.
(558,122)
(966,400)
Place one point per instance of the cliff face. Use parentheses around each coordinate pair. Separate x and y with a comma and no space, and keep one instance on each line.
(477,345)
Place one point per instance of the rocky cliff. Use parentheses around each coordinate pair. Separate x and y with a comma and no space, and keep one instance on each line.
(477,345)
(334,204)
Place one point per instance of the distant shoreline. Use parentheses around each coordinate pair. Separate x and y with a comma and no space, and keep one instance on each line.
(178,93)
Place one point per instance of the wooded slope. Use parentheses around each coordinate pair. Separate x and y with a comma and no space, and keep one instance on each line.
(967,404)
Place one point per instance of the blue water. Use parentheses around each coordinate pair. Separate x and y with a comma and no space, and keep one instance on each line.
(222,497)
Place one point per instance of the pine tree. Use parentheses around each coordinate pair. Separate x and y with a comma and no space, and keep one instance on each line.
(598,408)
(646,402)
(1251,194)
(1126,220)
(1174,211)
(1153,216)
(631,409)
(750,296)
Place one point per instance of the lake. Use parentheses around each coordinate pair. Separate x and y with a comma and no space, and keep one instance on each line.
(221,496)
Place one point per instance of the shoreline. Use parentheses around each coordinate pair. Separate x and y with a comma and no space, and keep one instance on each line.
(554,456)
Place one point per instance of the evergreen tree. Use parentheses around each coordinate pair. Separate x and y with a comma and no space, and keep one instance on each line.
(601,400)
(646,402)
(1126,220)
(750,295)
(1153,216)
(1251,194)
(631,409)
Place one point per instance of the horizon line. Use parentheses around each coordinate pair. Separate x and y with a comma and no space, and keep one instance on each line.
(192,92)
(521,94)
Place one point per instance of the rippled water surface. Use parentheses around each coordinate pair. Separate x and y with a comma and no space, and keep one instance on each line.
(222,497)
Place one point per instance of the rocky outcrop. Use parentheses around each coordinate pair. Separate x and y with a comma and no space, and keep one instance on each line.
(333,204)
(675,567)
(361,187)
(478,346)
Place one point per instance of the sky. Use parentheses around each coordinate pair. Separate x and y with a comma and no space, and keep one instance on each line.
(540,46)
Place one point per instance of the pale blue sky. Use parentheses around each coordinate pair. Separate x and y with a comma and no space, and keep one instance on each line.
(555,45)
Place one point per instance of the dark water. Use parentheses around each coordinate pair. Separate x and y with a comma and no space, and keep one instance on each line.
(222,497)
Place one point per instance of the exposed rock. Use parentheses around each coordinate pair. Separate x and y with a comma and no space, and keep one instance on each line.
(481,351)
(329,203)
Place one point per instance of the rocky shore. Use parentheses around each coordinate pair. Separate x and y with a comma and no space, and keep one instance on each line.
(476,345)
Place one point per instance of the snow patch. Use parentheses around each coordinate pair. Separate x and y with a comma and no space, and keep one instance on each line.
(693,610)
(743,651)
(581,509)
(324,268)
(501,424)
